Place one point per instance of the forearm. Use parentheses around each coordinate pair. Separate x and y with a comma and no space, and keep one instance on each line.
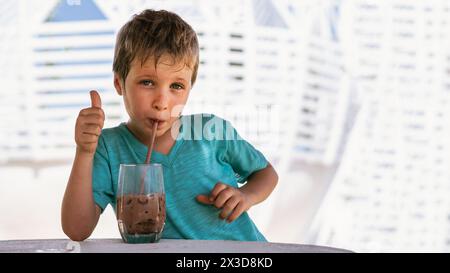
(79,214)
(260,184)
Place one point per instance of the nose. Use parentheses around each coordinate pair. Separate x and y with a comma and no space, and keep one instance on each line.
(161,102)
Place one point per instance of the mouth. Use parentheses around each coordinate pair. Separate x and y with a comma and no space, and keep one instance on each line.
(160,122)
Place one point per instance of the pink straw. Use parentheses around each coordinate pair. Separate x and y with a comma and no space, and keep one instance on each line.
(149,154)
(152,142)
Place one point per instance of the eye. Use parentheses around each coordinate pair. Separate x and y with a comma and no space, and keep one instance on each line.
(146,82)
(177,86)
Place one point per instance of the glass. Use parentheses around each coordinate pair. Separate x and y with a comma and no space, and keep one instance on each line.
(141,203)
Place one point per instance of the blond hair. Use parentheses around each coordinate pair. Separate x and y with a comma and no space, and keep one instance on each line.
(153,34)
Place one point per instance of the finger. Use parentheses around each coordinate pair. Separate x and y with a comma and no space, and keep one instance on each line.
(95,99)
(89,142)
(223,197)
(216,190)
(92,120)
(92,111)
(91,129)
(229,206)
(203,199)
(88,138)
(237,212)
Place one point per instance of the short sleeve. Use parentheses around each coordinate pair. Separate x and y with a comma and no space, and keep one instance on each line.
(241,155)
(101,176)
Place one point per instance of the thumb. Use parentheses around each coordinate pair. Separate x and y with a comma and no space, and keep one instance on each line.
(95,99)
(201,198)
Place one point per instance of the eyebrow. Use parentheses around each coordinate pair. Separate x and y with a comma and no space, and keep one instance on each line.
(181,79)
(154,76)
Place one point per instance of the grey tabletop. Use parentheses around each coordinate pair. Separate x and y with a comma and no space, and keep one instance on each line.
(163,246)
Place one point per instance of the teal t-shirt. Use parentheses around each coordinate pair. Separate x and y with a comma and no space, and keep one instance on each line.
(207,150)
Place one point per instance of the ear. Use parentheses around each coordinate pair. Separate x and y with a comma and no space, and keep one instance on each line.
(118,84)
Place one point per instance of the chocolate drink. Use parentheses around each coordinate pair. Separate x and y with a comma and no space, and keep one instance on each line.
(140,214)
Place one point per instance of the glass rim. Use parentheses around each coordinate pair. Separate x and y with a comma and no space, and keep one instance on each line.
(139,164)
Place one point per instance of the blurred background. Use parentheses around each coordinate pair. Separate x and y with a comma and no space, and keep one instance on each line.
(348,99)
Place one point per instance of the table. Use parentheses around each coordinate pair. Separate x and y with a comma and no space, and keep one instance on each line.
(163,246)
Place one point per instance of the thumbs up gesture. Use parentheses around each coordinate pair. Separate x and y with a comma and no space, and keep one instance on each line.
(89,125)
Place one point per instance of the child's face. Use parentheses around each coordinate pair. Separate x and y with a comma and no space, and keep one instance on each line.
(154,94)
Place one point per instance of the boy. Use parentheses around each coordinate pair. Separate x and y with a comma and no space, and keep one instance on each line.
(155,66)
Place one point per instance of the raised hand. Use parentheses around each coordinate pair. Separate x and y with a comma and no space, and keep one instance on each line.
(89,125)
